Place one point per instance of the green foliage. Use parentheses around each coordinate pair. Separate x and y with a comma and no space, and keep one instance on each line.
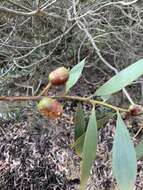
(78,145)
(124,161)
(75,74)
(89,149)
(122,79)
(124,157)
(28,50)
(79,122)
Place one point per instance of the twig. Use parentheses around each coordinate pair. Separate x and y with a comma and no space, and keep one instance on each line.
(7,39)
(105,62)
(93,102)
(20,13)
(45,90)
(127,3)
(117,3)
(140,129)
(19,5)
(83,27)
(38,4)
(19,98)
(46,5)
(65,97)
(39,11)
(41,45)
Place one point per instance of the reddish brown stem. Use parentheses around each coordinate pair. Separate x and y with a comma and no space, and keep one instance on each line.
(45,90)
(20,98)
(78,98)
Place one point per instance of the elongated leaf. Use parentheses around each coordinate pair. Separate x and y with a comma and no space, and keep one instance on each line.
(106,97)
(101,122)
(79,122)
(124,157)
(122,79)
(75,74)
(78,145)
(139,150)
(89,149)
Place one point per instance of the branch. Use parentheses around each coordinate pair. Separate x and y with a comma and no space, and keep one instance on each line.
(45,90)
(20,13)
(83,27)
(30,13)
(19,6)
(20,98)
(65,97)
(127,3)
(46,5)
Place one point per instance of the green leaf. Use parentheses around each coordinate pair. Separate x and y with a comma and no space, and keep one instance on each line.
(78,145)
(75,74)
(101,122)
(139,150)
(106,97)
(122,79)
(124,157)
(79,122)
(89,149)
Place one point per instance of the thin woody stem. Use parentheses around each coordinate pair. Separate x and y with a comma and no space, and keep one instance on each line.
(83,99)
(20,98)
(66,97)
(45,90)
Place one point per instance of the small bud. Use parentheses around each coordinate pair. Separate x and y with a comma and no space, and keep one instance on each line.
(50,108)
(59,76)
(135,110)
